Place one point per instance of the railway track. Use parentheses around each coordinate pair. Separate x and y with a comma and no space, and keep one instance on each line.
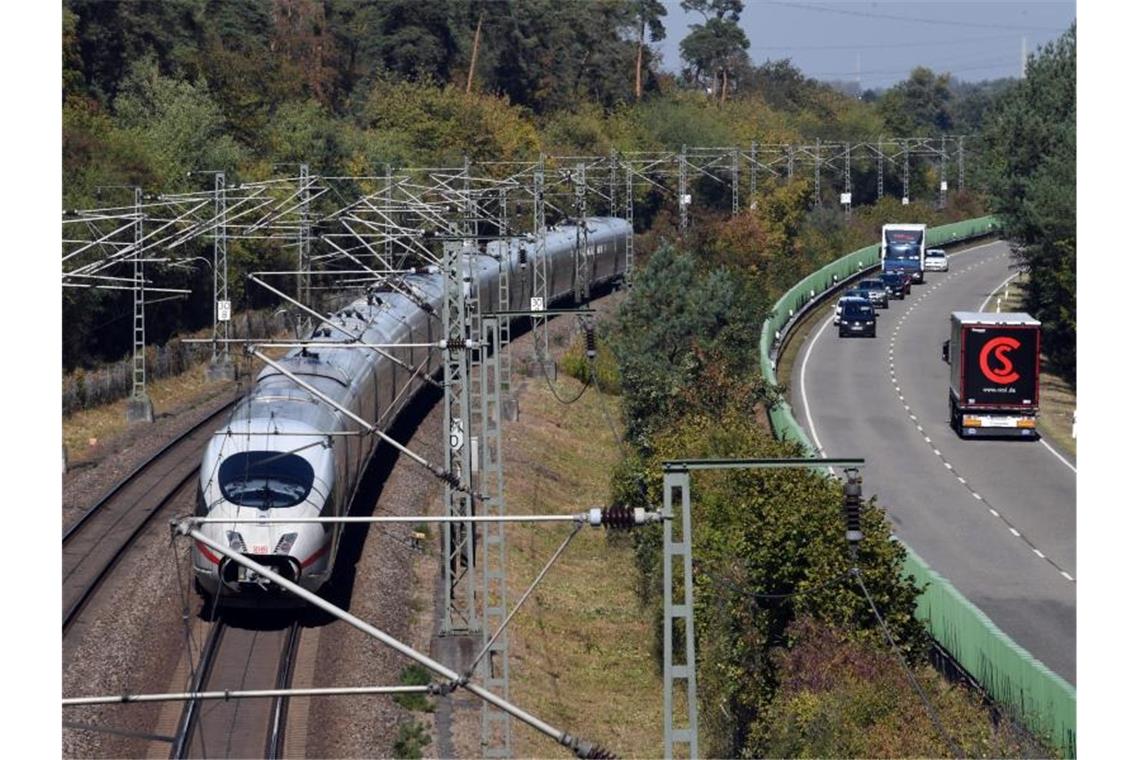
(95,543)
(255,653)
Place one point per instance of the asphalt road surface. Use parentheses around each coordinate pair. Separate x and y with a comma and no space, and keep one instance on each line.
(995,517)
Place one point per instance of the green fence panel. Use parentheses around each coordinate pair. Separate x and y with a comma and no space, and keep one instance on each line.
(1039,698)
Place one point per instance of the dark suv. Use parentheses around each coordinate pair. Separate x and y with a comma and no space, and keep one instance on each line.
(857,317)
(898,283)
(874,290)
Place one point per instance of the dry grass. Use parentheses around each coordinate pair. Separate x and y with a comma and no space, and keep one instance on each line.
(581,650)
(1058,399)
(109,421)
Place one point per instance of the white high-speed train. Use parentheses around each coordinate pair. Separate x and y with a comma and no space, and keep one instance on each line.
(276,458)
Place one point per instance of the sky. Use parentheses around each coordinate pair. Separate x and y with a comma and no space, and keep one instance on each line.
(835,40)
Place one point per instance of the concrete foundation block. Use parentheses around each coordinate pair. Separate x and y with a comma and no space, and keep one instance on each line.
(140,409)
(222,369)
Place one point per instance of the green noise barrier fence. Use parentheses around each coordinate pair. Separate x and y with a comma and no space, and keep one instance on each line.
(1038,698)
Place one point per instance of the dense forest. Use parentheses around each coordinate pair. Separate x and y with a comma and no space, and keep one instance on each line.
(153,90)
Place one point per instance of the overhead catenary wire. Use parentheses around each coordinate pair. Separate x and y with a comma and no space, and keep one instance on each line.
(957,750)
(911,19)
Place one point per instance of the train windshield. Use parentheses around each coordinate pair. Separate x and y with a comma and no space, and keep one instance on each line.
(265,479)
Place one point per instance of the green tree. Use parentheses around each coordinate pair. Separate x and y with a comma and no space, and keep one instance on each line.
(921,104)
(174,125)
(1030,139)
(113,34)
(716,49)
(648,14)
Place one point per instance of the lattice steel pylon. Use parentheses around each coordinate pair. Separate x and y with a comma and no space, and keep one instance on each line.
(751,171)
(683,196)
(458,538)
(818,162)
(879,171)
(139,406)
(494,668)
(906,172)
(847,180)
(541,289)
(220,366)
(961,166)
(629,218)
(582,257)
(942,175)
(735,181)
(304,260)
(506,252)
(676,485)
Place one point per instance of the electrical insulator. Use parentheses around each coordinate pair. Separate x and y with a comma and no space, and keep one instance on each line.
(589,751)
(591,342)
(618,518)
(449,477)
(852,505)
(522,256)
(455,344)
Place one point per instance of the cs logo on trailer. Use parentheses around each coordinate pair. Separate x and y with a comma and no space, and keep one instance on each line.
(995,350)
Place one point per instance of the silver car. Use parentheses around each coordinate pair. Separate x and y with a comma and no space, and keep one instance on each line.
(936,261)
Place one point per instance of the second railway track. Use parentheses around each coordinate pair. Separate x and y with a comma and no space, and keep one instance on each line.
(250,654)
(94,543)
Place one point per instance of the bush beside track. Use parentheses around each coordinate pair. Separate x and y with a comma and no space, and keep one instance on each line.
(1037,697)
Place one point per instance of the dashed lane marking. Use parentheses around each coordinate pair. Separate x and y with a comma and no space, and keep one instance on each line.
(977,496)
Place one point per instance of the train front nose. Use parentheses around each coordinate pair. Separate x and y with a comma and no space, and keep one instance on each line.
(278,558)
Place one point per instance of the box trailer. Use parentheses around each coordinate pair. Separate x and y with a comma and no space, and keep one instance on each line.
(995,367)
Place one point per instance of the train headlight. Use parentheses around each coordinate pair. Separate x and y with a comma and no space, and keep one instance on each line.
(236,542)
(285,545)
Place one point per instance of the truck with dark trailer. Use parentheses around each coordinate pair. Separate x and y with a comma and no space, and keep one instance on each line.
(995,367)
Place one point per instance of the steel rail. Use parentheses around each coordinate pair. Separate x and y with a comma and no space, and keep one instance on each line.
(76,599)
(190,711)
(275,741)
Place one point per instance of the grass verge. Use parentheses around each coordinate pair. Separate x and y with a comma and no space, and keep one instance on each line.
(109,421)
(581,649)
(1058,399)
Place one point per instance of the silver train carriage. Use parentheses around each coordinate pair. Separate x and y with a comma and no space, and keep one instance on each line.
(275,457)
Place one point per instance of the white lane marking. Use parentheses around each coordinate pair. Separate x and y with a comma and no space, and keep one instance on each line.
(1066,575)
(1052,450)
(994,513)
(938,453)
(803,388)
(1038,553)
(961,480)
(948,465)
(926,439)
(920,428)
(1057,454)
(1014,532)
(995,290)
(977,495)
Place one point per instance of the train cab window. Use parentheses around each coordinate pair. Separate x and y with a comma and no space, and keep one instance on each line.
(265,479)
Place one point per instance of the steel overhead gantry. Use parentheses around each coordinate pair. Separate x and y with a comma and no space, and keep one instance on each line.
(100,243)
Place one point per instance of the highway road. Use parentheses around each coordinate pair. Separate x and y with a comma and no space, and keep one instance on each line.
(997,518)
